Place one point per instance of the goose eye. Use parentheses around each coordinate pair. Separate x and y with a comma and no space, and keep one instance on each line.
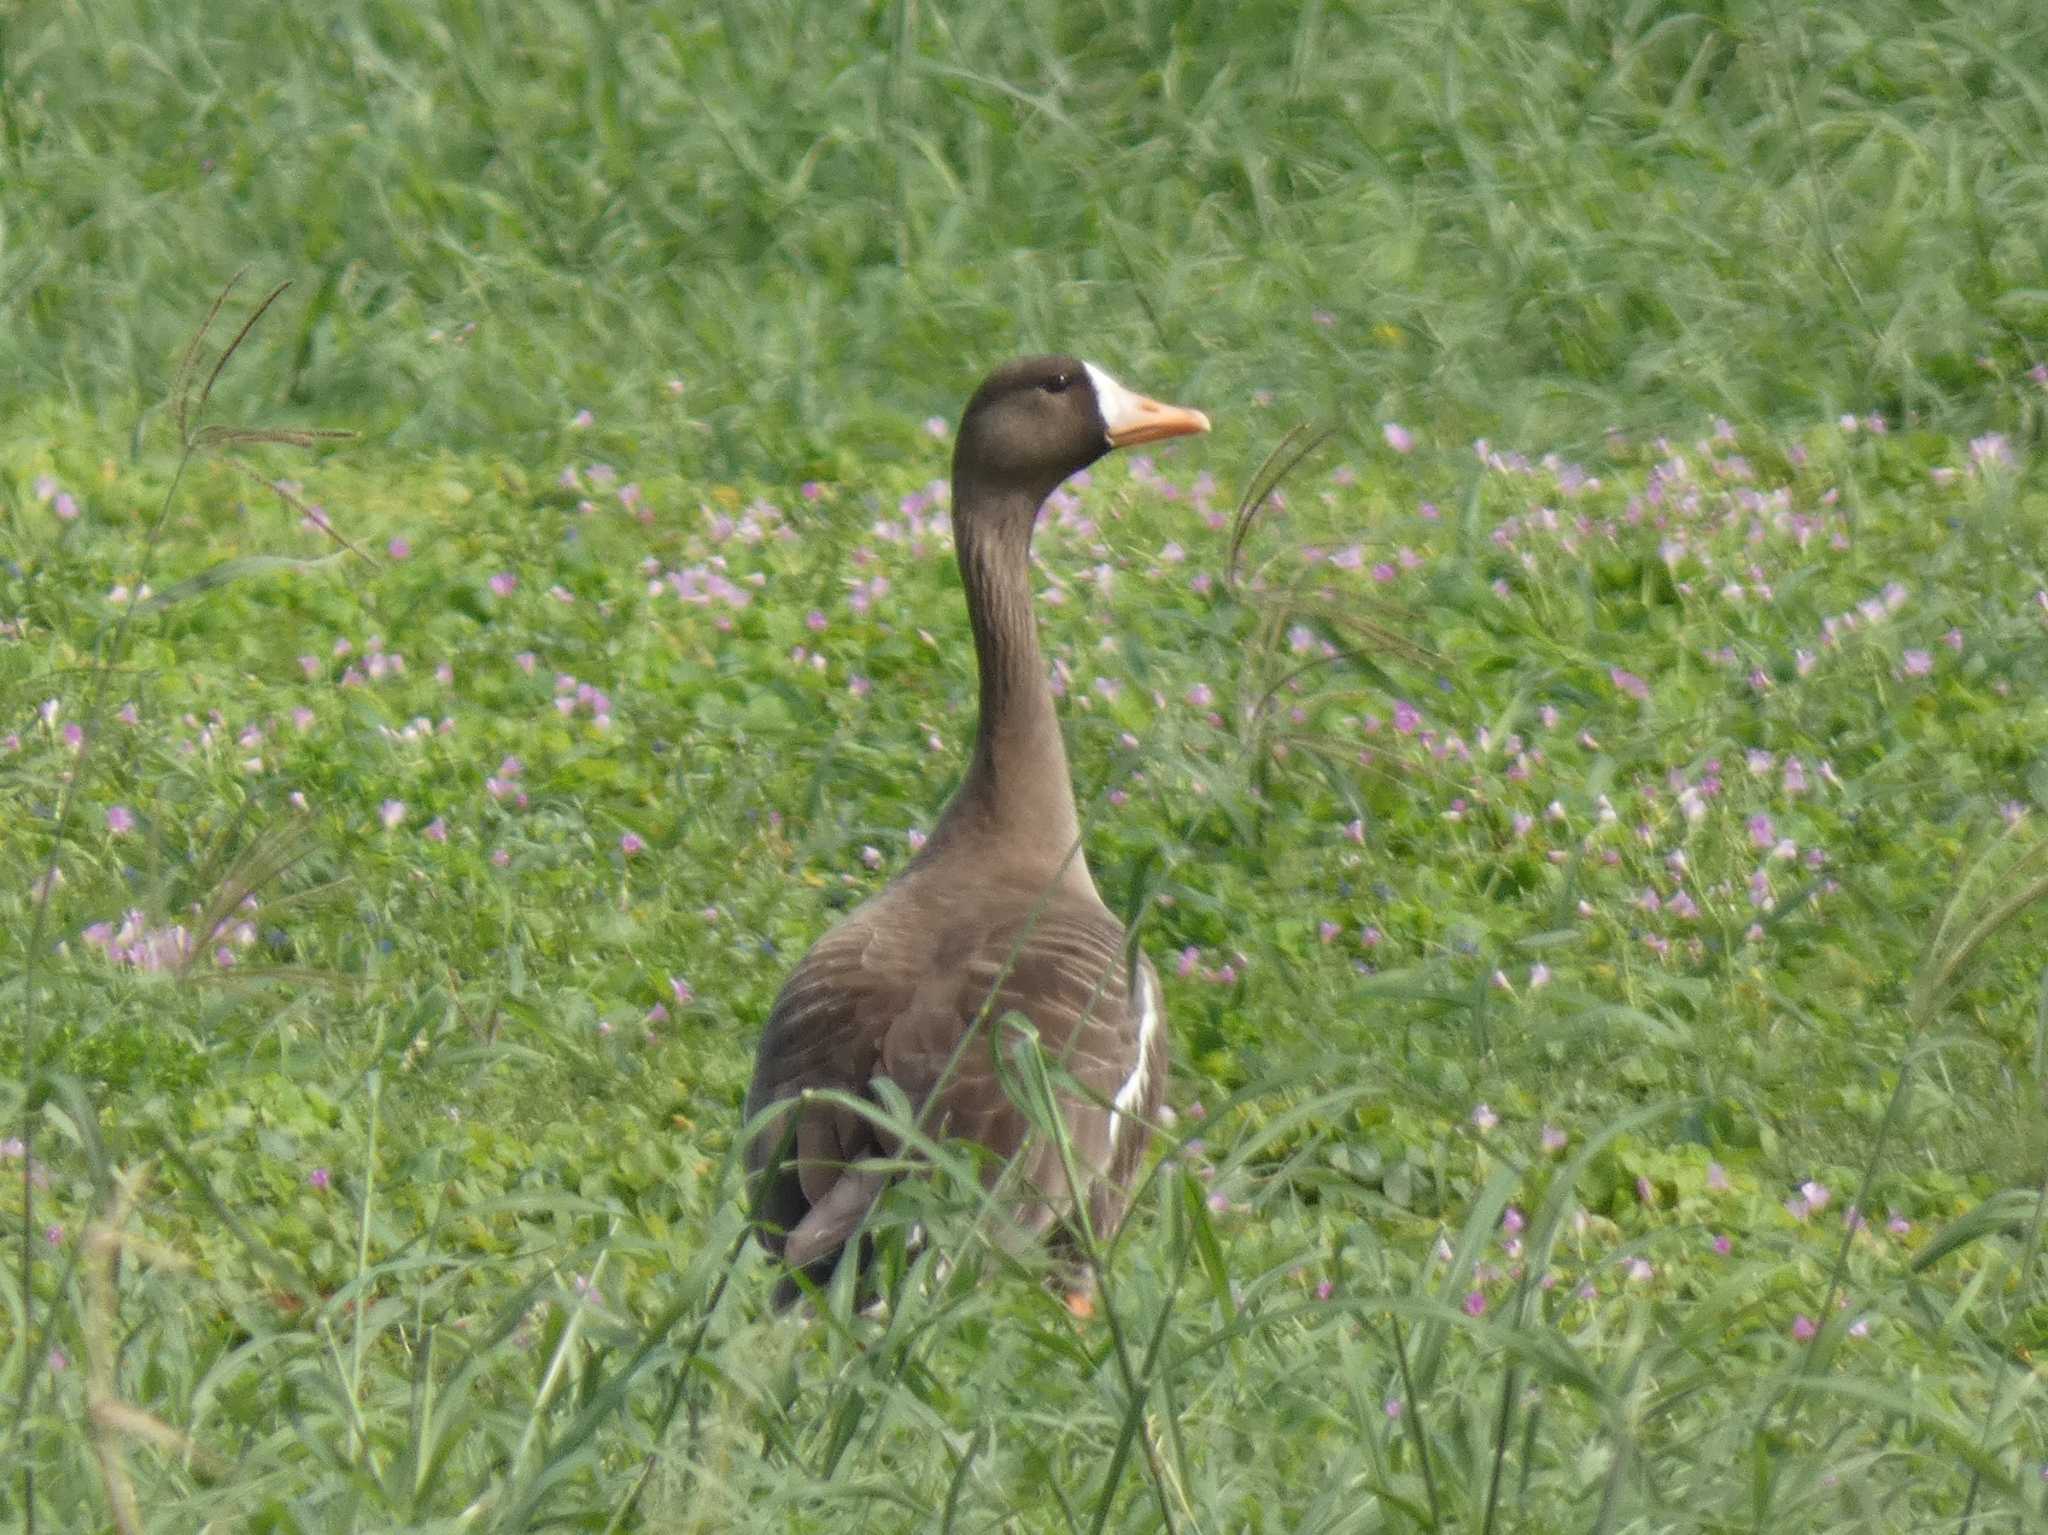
(1059,383)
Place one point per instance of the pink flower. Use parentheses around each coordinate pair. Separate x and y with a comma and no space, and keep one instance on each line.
(1475,1303)
(1717,1178)
(435,830)
(1629,683)
(1815,1194)
(1355,830)
(1553,1140)
(1200,695)
(1916,663)
(1392,1408)
(1539,975)
(1406,717)
(1484,1119)
(503,583)
(120,820)
(582,420)
(1761,832)
(399,549)
(1397,436)
(1803,1327)
(1325,1289)
(680,990)
(391,813)
(630,843)
(1723,1246)
(318,1178)
(1512,1221)
(1327,931)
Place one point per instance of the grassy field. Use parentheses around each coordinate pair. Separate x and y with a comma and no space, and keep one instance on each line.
(1590,821)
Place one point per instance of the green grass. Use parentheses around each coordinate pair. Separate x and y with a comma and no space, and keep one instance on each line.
(356,1033)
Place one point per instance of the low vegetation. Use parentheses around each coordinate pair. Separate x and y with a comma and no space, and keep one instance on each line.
(1589,817)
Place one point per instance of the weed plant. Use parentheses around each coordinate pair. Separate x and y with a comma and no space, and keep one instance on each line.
(1589,815)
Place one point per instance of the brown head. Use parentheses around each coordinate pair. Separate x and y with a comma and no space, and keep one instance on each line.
(1037,420)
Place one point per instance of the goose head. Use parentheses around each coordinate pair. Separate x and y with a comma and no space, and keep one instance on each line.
(1035,421)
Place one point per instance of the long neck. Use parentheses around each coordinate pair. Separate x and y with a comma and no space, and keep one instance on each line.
(1017,786)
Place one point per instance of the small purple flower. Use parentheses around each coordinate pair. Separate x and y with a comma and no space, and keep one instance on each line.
(1717,1178)
(1475,1303)
(680,990)
(1539,975)
(1629,683)
(1816,1195)
(120,820)
(435,830)
(1325,1289)
(1200,695)
(1803,1328)
(1512,1221)
(391,813)
(503,583)
(631,843)
(583,420)
(1723,1246)
(319,1179)
(1916,663)
(1483,1118)
(399,549)
(1398,437)
(1553,1140)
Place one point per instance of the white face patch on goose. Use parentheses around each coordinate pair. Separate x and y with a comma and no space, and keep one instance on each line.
(1119,407)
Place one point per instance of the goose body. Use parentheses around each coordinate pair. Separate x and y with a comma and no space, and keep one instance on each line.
(996,915)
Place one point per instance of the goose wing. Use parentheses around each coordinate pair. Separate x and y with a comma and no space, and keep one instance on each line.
(894,993)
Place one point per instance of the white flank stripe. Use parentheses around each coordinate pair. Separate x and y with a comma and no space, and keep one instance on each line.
(1132,1093)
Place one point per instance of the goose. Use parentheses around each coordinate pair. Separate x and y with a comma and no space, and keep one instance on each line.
(996,914)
